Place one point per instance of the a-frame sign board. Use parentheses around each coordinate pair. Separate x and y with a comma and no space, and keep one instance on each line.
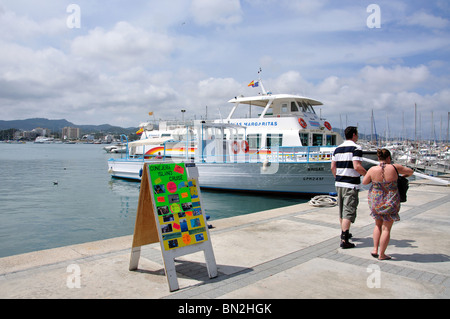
(170,212)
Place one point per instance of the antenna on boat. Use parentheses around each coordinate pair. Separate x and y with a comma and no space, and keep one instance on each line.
(260,82)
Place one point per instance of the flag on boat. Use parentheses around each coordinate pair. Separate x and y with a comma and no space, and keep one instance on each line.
(139,132)
(254,84)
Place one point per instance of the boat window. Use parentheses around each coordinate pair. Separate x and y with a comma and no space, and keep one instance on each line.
(274,140)
(304,139)
(294,107)
(304,107)
(284,108)
(331,140)
(317,140)
(254,141)
(310,108)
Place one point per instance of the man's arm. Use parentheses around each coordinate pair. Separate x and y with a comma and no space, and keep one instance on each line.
(357,165)
(333,168)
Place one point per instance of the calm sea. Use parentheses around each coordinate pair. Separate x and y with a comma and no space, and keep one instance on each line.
(53,195)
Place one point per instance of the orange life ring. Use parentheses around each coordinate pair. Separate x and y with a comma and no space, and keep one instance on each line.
(235,147)
(302,122)
(244,146)
(327,125)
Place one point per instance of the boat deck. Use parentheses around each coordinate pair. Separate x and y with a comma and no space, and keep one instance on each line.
(285,253)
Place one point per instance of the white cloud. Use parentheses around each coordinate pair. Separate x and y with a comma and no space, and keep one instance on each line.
(426,20)
(155,56)
(15,27)
(389,92)
(305,7)
(222,12)
(394,79)
(123,46)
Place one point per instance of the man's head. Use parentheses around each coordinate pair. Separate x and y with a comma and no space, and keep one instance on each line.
(351,133)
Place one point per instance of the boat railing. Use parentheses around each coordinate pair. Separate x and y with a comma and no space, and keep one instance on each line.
(233,151)
(302,154)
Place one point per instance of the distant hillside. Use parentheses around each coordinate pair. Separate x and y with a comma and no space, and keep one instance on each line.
(58,125)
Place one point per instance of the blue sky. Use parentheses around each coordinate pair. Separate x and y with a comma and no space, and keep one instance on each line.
(131,57)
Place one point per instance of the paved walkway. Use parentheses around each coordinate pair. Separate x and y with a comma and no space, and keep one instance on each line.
(287,253)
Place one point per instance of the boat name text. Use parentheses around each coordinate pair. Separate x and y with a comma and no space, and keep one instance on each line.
(266,123)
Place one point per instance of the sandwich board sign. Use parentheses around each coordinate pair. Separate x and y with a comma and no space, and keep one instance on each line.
(170,212)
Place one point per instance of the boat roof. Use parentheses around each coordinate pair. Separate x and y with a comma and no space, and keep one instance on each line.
(262,100)
(150,141)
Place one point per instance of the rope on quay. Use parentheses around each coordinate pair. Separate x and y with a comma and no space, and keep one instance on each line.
(323,201)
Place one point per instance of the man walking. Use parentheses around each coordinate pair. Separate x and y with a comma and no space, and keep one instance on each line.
(346,166)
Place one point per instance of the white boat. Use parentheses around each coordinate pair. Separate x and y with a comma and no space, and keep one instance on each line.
(116,148)
(287,148)
(44,140)
(151,143)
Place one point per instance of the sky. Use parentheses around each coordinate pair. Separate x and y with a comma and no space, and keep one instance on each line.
(113,62)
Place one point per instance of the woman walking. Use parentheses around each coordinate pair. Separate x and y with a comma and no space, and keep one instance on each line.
(384,199)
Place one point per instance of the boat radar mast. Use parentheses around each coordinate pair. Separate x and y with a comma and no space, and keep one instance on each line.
(263,90)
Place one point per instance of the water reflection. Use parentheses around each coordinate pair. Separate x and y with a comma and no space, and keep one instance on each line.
(128,195)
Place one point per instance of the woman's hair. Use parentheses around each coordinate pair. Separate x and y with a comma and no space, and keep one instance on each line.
(383,154)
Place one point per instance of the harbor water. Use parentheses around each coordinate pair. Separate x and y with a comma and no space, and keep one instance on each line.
(53,195)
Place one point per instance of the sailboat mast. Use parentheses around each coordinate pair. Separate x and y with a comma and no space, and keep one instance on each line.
(415,123)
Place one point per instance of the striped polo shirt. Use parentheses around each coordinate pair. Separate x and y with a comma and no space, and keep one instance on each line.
(344,155)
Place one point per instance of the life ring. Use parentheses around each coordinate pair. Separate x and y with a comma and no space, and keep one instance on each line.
(302,122)
(244,146)
(327,125)
(235,147)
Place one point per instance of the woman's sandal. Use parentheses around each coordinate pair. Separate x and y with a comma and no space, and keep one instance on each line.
(385,258)
(374,255)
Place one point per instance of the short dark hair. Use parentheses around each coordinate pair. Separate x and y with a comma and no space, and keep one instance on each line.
(349,131)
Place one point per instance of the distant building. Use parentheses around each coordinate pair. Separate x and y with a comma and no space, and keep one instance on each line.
(88,137)
(41,131)
(70,133)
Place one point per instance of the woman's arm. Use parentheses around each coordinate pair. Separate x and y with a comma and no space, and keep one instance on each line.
(368,177)
(405,171)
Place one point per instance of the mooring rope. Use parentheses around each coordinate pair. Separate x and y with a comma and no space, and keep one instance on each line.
(323,201)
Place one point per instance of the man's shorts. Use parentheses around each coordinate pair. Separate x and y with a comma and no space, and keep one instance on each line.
(348,199)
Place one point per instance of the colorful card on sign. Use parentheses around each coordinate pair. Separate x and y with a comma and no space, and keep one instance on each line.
(178,206)
(179,169)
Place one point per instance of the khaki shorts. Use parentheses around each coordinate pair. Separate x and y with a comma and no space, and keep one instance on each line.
(348,199)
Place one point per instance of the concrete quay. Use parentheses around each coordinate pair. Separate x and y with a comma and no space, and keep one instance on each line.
(286,253)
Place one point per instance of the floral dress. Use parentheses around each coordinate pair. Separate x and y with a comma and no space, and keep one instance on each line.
(384,200)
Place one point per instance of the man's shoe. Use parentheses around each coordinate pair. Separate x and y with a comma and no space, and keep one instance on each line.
(346,245)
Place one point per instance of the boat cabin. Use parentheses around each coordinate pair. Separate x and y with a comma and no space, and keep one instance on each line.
(283,120)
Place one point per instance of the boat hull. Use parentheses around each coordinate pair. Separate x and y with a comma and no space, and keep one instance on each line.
(126,169)
(295,178)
